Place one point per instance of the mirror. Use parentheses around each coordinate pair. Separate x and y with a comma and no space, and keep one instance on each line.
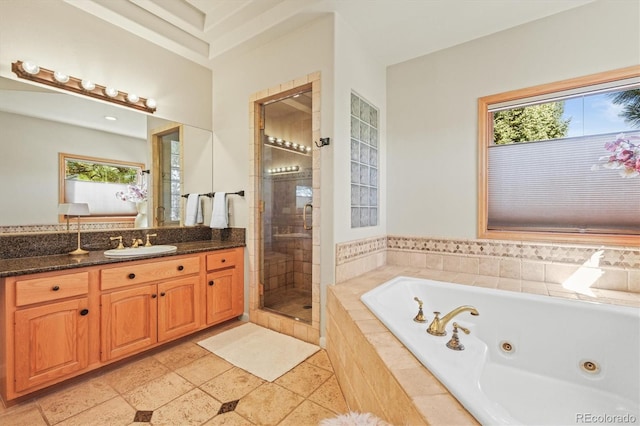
(38,124)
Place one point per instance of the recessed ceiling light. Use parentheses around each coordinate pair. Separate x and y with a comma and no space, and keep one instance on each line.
(110,118)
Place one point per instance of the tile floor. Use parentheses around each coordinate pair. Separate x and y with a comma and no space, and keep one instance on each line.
(293,302)
(184,384)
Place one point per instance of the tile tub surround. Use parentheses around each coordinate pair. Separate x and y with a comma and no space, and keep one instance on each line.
(376,372)
(609,268)
(373,367)
(53,243)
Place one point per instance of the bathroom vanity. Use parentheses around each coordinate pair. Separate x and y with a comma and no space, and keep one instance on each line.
(66,319)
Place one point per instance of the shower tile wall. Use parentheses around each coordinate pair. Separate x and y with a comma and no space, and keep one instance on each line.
(364,163)
(287,244)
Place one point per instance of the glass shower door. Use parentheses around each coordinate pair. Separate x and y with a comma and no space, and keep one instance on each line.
(287,191)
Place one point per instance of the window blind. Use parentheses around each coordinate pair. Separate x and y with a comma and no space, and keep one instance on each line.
(550,186)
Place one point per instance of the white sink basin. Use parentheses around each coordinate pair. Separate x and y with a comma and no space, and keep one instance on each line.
(139,251)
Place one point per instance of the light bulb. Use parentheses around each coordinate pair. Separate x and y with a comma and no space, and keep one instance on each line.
(30,68)
(60,77)
(272,139)
(279,141)
(87,85)
(287,144)
(151,103)
(308,149)
(132,98)
(295,146)
(111,92)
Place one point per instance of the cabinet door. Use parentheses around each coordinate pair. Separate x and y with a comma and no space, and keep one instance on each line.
(51,342)
(178,307)
(225,295)
(129,321)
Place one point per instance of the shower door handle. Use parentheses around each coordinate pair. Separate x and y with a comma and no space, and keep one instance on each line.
(304,216)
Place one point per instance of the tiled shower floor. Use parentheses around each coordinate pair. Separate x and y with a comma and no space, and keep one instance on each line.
(184,384)
(292,302)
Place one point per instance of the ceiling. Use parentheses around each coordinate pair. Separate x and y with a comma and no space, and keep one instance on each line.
(393,31)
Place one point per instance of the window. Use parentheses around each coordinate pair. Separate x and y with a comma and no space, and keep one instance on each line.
(168,180)
(110,187)
(364,163)
(561,162)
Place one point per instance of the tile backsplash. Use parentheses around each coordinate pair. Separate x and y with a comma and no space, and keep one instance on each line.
(616,268)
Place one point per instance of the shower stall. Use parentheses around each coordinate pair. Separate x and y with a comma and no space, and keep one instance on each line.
(287,193)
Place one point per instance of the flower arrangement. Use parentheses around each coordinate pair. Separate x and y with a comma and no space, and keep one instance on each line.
(135,193)
(624,157)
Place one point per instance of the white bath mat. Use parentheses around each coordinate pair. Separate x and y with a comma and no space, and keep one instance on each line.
(258,350)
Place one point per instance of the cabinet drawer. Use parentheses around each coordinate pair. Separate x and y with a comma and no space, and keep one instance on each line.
(222,259)
(51,288)
(152,271)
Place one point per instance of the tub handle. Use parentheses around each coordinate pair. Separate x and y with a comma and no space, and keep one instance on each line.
(420,316)
(454,343)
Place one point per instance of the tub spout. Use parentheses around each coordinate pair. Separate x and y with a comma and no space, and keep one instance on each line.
(437,326)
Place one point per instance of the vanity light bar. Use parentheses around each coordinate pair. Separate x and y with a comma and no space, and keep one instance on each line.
(281,170)
(286,145)
(33,72)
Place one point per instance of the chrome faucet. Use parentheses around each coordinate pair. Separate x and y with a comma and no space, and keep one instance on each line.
(438,324)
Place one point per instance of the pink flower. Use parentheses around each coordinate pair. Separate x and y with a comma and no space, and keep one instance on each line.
(625,157)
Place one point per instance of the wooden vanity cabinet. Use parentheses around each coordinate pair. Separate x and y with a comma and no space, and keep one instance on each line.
(225,286)
(52,341)
(50,323)
(137,316)
(57,325)
(128,323)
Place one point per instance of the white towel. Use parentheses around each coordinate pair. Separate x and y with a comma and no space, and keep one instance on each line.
(220,214)
(193,213)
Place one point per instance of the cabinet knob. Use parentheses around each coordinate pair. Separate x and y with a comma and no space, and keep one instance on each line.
(132,276)
(180,268)
(84,312)
(153,296)
(55,288)
(162,294)
(224,260)
(211,283)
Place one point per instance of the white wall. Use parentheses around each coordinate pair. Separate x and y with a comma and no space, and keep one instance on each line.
(357,70)
(432,102)
(236,78)
(58,36)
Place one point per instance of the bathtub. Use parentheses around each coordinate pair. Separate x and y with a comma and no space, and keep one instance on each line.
(529,359)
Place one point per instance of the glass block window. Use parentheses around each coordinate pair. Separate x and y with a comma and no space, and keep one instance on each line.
(364,163)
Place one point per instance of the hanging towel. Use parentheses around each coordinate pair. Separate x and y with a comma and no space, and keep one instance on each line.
(193,213)
(220,214)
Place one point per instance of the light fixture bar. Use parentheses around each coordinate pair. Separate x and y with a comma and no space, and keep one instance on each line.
(286,145)
(281,170)
(56,79)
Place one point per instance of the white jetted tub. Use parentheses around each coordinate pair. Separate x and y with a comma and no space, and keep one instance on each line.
(529,359)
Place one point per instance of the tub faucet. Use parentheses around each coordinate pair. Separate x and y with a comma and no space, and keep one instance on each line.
(438,324)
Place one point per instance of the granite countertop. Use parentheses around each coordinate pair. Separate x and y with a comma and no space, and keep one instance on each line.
(32,265)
